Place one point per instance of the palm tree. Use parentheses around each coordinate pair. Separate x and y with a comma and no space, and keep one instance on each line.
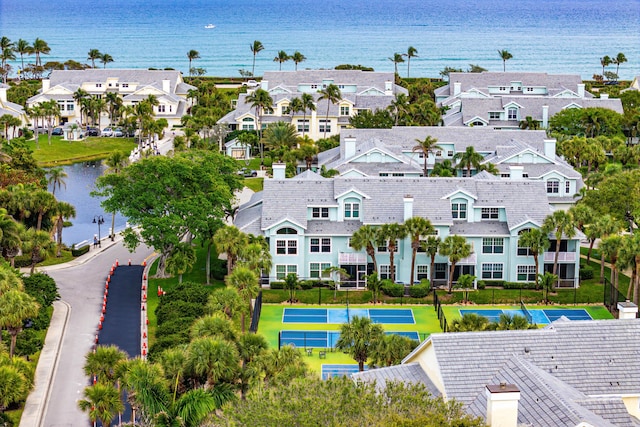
(392,233)
(508,322)
(281,57)
(605,61)
(191,55)
(469,322)
(281,137)
(190,410)
(38,243)
(396,59)
(332,94)
(416,228)
(40,47)
(230,241)
(50,111)
(114,102)
(256,47)
(16,307)
(22,48)
(261,101)
(426,146)
(146,389)
(9,235)
(57,177)
(468,158)
(215,359)
(181,260)
(546,281)
(455,248)
(105,58)
(368,238)
(561,224)
(619,59)
(116,162)
(78,96)
(42,202)
(246,282)
(358,337)
(63,210)
(374,284)
(391,349)
(308,104)
(412,52)
(537,243)
(307,152)
(297,58)
(432,247)
(610,247)
(101,402)
(6,54)
(93,55)
(630,255)
(13,386)
(505,56)
(102,363)
(400,107)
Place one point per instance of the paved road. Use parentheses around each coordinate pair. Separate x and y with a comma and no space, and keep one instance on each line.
(81,287)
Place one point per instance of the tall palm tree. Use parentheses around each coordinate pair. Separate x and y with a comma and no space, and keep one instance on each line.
(561,224)
(105,58)
(101,402)
(400,107)
(42,202)
(358,337)
(230,241)
(281,57)
(505,56)
(256,47)
(181,260)
(392,233)
(412,52)
(37,243)
(191,55)
(297,58)
(308,104)
(368,238)
(93,55)
(15,307)
(9,235)
(56,178)
(103,362)
(426,146)
(281,137)
(50,112)
(246,282)
(261,101)
(6,55)
(468,158)
(611,246)
(146,389)
(116,162)
(295,106)
(40,47)
(62,210)
(537,242)
(332,94)
(630,254)
(605,61)
(78,96)
(213,358)
(455,248)
(432,247)
(417,227)
(619,59)
(114,105)
(396,59)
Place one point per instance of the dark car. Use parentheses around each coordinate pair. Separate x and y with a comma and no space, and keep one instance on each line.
(57,132)
(92,132)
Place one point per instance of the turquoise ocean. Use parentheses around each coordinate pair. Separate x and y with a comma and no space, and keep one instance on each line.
(555,36)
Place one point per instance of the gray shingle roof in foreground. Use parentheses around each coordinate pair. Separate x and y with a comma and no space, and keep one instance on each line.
(409,373)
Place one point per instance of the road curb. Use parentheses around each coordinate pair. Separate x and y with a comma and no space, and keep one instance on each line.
(37,401)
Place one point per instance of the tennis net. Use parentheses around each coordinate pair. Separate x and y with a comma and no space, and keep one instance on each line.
(526,312)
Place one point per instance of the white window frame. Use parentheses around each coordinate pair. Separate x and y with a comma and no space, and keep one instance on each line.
(316,270)
(344,110)
(492,271)
(553,186)
(289,246)
(512,113)
(459,210)
(422,270)
(324,125)
(528,270)
(567,187)
(494,115)
(320,244)
(303,125)
(352,210)
(385,272)
(489,213)
(492,245)
(282,270)
(319,212)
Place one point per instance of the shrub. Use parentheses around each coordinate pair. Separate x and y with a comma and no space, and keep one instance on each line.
(23,261)
(178,326)
(481,284)
(419,291)
(486,283)
(307,284)
(586,273)
(42,287)
(76,252)
(393,290)
(174,309)
(277,285)
(519,285)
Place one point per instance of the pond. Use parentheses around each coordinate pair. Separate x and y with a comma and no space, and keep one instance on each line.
(79,184)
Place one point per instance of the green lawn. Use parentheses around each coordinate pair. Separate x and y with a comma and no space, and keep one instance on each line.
(254,184)
(67,152)
(271,324)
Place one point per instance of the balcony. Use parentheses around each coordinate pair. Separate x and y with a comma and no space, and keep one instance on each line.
(562,257)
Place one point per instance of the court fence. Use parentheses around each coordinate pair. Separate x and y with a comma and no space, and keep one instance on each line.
(255,318)
(612,296)
(441,317)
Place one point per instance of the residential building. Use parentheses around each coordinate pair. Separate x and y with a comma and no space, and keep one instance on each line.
(506,99)
(514,153)
(132,85)
(570,373)
(10,108)
(308,221)
(360,90)
(635,84)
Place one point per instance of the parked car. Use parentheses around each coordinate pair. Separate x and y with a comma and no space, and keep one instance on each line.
(248,173)
(117,132)
(57,132)
(92,132)
(106,132)
(251,83)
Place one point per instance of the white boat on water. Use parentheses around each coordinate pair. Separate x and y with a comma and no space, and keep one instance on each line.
(209,26)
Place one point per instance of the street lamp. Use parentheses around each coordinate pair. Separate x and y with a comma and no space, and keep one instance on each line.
(98,219)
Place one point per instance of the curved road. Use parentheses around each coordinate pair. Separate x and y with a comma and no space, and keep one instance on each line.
(82,288)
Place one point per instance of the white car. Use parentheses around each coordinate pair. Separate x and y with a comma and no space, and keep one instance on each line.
(106,132)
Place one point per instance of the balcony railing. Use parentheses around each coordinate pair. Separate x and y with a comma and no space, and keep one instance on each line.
(562,256)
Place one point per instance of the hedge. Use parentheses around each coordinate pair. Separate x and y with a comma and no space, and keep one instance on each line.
(586,273)
(76,252)
(519,285)
(277,285)
(393,290)
(419,291)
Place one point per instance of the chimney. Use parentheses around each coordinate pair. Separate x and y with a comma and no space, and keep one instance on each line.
(627,310)
(388,88)
(408,207)
(581,90)
(264,85)
(279,170)
(516,172)
(457,88)
(550,148)
(502,405)
(166,85)
(3,94)
(604,96)
(349,147)
(545,116)
(46,85)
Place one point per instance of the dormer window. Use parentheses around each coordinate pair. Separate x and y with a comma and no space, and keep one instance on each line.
(459,210)
(344,110)
(352,209)
(512,113)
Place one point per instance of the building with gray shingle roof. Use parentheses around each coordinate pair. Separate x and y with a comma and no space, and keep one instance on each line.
(308,221)
(360,90)
(131,85)
(505,99)
(10,108)
(568,373)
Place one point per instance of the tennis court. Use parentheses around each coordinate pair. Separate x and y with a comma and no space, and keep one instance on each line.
(325,339)
(344,315)
(537,316)
(329,371)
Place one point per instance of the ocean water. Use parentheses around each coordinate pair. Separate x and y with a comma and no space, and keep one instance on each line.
(556,36)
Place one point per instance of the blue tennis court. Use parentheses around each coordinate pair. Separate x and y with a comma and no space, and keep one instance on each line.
(325,339)
(344,315)
(539,316)
(329,371)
